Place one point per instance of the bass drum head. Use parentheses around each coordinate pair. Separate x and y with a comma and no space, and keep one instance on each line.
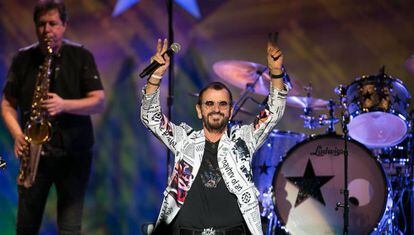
(308,183)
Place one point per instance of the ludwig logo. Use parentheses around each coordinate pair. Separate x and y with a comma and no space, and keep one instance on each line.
(321,151)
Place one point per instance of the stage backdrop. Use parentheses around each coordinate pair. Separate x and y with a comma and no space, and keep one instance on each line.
(325,43)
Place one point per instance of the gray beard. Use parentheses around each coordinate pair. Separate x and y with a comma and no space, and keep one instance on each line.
(216,127)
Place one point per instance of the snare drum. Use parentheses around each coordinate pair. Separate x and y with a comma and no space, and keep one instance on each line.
(265,161)
(378,109)
(308,185)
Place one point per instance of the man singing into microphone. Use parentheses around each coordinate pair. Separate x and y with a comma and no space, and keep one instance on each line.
(211,188)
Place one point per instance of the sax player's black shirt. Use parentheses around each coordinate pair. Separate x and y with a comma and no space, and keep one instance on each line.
(74,74)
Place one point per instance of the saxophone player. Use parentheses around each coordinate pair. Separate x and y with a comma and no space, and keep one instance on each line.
(74,93)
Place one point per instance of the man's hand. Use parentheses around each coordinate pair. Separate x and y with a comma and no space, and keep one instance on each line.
(274,63)
(274,59)
(54,105)
(154,80)
(162,47)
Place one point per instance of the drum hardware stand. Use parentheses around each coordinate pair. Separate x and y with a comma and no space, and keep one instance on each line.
(345,191)
(315,122)
(268,202)
(410,147)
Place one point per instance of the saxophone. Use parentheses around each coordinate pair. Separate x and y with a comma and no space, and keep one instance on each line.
(38,127)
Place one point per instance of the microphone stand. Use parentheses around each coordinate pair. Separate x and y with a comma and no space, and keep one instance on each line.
(345,191)
(170,99)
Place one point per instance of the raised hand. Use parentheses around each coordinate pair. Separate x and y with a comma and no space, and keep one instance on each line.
(160,57)
(274,59)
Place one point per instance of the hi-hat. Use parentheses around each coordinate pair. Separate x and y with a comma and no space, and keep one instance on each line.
(409,65)
(307,102)
(244,73)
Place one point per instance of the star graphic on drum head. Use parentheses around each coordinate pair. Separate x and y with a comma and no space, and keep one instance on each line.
(263,168)
(309,185)
(367,96)
(397,99)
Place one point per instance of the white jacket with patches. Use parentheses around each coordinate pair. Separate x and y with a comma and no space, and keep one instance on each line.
(235,153)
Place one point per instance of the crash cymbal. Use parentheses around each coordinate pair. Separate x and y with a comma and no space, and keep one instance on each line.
(307,102)
(409,65)
(242,73)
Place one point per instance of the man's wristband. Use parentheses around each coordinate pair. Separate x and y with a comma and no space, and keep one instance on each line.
(273,76)
(154,84)
(156,76)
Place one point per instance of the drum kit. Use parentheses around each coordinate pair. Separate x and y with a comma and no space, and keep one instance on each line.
(301,179)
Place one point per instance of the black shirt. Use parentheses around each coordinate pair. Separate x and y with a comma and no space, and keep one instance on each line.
(209,203)
(74,75)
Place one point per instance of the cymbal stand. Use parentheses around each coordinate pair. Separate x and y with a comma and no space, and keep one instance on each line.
(345,190)
(310,121)
(308,109)
(244,96)
(331,128)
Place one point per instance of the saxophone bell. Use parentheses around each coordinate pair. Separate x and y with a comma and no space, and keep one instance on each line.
(38,131)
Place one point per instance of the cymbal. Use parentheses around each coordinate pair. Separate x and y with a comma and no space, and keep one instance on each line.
(306,102)
(243,73)
(409,65)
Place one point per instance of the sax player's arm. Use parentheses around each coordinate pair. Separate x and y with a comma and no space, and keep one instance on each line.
(94,102)
(10,117)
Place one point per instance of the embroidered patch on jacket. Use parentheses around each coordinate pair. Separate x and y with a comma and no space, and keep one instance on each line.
(180,183)
(261,118)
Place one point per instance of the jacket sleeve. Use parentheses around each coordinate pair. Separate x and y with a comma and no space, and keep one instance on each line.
(266,121)
(157,123)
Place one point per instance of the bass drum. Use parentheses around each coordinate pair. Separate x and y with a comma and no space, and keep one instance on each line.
(308,183)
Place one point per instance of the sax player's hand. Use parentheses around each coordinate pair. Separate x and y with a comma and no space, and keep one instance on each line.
(54,105)
(20,143)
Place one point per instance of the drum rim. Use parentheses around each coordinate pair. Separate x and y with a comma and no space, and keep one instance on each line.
(360,78)
(321,136)
(390,111)
(278,131)
(393,79)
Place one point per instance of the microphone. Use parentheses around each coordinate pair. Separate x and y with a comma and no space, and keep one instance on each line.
(174,48)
